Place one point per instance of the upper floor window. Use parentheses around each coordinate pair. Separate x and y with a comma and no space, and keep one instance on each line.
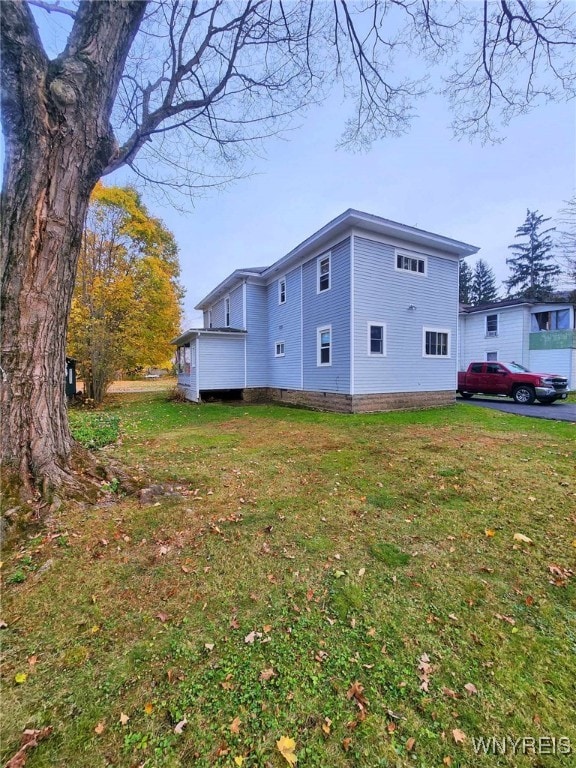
(376,339)
(227,312)
(209,318)
(557,320)
(436,342)
(324,346)
(411,263)
(279,349)
(323,273)
(282,290)
(492,325)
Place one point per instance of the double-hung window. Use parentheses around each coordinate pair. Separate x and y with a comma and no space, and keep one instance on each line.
(324,346)
(436,342)
(491,325)
(282,290)
(376,339)
(279,349)
(324,273)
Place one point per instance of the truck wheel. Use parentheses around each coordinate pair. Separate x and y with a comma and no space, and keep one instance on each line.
(467,395)
(524,395)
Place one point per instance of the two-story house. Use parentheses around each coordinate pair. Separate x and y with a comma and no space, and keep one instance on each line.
(539,335)
(361,316)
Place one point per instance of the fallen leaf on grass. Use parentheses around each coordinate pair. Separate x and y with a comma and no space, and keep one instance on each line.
(356,692)
(149,708)
(286,747)
(238,760)
(561,575)
(490,532)
(450,693)
(471,688)
(522,538)
(100,728)
(251,636)
(509,619)
(179,727)
(458,736)
(28,741)
(410,744)
(20,677)
(326,725)
(162,616)
(346,743)
(209,647)
(235,725)
(123,718)
(267,674)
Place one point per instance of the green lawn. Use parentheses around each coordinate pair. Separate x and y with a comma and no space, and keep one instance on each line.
(352,583)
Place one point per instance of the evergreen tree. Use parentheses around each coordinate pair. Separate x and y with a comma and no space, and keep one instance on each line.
(533,271)
(567,238)
(465,296)
(483,288)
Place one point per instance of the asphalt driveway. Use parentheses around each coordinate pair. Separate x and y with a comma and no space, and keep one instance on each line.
(558,411)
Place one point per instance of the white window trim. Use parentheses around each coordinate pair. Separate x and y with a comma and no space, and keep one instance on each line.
(380,325)
(276,344)
(319,331)
(227,312)
(319,260)
(410,255)
(429,329)
(280,281)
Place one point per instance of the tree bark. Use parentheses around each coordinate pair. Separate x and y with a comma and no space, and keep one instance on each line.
(58,142)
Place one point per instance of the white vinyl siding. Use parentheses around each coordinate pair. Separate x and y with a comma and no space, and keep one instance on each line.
(383,294)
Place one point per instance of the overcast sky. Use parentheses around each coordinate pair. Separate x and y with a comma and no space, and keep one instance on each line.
(478,194)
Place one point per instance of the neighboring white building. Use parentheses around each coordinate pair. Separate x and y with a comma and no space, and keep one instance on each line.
(539,335)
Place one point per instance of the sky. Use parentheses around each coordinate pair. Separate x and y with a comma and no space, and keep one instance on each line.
(464,190)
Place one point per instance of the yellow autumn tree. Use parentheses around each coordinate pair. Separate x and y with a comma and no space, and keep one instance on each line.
(126,302)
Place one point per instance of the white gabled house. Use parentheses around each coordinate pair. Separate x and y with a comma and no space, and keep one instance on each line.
(361,316)
(539,335)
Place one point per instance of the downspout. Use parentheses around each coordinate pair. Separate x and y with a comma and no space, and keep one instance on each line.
(301,327)
(244,316)
(352,311)
(197,353)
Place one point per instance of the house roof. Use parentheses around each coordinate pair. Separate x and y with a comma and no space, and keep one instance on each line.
(193,333)
(340,226)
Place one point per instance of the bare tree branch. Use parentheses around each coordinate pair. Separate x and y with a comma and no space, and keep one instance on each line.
(53,7)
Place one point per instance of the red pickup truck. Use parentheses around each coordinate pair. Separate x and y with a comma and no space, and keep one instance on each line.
(512,380)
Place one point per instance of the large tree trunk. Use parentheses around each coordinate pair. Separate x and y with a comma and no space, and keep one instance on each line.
(58,142)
